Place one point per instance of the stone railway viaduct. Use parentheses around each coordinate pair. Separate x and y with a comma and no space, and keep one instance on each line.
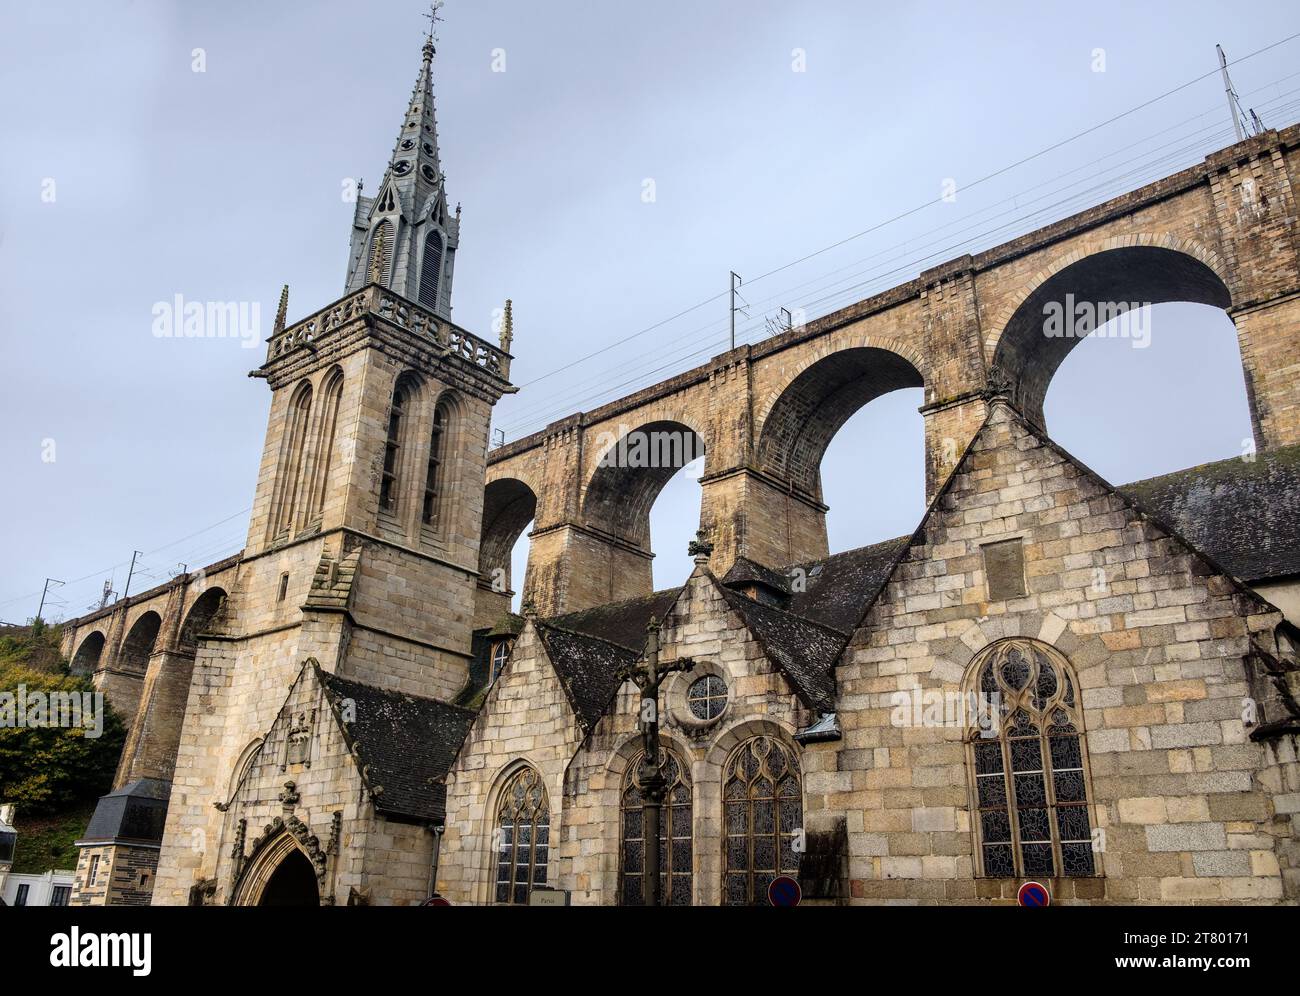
(1222,233)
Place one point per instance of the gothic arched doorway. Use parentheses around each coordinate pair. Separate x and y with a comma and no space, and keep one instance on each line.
(285,868)
(293,883)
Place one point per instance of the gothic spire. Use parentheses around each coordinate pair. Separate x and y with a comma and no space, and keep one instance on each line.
(404,237)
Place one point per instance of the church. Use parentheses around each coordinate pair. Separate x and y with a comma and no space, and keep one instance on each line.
(1051,679)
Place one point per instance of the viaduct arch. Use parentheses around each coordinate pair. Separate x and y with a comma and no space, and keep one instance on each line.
(1222,233)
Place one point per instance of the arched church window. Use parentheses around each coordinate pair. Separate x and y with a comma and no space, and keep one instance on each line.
(500,656)
(523,837)
(430,270)
(762,798)
(331,398)
(675,836)
(292,464)
(1028,763)
(433,472)
(388,483)
(381,252)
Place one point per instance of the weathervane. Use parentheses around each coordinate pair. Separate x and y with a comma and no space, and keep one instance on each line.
(433,19)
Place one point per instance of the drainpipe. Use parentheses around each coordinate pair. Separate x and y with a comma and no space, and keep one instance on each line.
(437,829)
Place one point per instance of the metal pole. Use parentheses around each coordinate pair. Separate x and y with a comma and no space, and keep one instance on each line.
(40,613)
(126,590)
(1227,89)
(735,277)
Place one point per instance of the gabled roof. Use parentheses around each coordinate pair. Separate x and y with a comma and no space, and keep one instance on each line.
(1130,500)
(405,744)
(588,668)
(622,623)
(805,651)
(836,588)
(1243,513)
(745,571)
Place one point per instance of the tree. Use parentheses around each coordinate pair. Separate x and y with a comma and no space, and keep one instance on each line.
(46,763)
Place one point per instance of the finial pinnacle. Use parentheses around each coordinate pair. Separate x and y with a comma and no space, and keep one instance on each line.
(282,311)
(507,327)
(700,548)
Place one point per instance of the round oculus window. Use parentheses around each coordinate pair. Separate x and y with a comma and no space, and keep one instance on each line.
(707,697)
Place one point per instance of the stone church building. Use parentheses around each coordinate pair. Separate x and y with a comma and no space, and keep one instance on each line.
(1052,678)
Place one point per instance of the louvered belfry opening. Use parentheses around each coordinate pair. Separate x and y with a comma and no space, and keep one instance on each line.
(431,270)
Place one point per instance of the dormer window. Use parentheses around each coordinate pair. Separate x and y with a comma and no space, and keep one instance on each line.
(500,656)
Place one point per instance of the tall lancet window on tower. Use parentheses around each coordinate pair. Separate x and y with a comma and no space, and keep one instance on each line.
(430,270)
(433,474)
(295,444)
(388,485)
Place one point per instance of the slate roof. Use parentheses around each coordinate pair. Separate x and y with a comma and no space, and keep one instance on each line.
(622,623)
(135,812)
(804,650)
(745,571)
(588,668)
(405,743)
(1245,515)
(837,589)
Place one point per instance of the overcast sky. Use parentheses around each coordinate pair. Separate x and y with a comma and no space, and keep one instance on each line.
(769,131)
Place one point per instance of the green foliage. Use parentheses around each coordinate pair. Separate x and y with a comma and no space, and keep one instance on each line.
(36,646)
(46,842)
(48,768)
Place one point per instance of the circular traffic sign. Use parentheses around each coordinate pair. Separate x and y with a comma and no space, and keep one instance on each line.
(784,891)
(1033,894)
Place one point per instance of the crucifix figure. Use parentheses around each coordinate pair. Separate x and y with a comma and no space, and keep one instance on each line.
(648,674)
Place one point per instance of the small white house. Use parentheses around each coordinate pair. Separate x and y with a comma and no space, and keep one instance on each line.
(51,888)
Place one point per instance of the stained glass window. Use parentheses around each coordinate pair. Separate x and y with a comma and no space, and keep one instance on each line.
(675,837)
(762,800)
(707,697)
(1028,766)
(523,838)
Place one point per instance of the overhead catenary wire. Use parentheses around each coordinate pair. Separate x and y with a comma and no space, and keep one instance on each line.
(901,215)
(527,416)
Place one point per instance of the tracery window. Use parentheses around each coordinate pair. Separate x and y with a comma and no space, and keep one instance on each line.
(675,836)
(433,472)
(1029,765)
(707,697)
(523,837)
(762,798)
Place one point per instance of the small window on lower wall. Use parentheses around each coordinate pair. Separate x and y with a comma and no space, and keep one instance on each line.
(1004,569)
